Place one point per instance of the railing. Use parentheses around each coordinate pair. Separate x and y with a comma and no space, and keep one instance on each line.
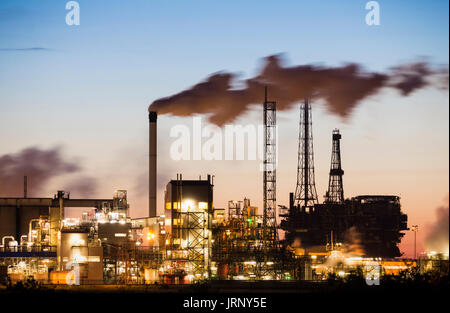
(28,249)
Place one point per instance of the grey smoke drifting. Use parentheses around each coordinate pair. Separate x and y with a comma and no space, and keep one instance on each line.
(40,166)
(83,186)
(437,237)
(342,88)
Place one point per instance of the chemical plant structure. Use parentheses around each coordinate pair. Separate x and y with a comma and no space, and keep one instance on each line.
(194,241)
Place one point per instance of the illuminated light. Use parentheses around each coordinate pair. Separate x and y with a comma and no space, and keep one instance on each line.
(250,262)
(341,274)
(313,257)
(269,263)
(79,258)
(77,242)
(249,220)
(122,222)
(187,205)
(213,268)
(203,205)
(94,258)
(355,259)
(120,235)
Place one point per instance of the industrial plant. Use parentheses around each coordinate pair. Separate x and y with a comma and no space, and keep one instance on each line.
(195,241)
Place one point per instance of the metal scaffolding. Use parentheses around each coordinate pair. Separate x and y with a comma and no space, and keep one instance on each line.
(305,191)
(187,250)
(335,193)
(270,174)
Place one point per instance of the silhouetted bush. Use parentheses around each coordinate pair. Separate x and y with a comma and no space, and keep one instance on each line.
(29,285)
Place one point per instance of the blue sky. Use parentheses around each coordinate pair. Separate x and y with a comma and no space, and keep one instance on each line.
(89,87)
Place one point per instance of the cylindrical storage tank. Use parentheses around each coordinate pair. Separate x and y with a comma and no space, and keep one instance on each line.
(41,277)
(60,277)
(15,277)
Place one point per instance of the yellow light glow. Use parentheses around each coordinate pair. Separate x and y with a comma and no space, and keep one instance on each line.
(187,205)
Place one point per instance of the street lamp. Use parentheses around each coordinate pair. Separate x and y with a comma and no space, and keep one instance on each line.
(415,229)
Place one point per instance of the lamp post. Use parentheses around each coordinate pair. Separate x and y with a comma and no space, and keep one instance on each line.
(415,229)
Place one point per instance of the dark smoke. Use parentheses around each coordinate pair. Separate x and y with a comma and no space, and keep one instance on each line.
(40,166)
(437,237)
(82,187)
(342,88)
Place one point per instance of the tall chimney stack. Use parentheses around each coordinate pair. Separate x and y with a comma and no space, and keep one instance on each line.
(152,116)
(25,186)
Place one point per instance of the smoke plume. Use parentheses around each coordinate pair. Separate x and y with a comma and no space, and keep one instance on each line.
(40,166)
(353,244)
(83,186)
(437,237)
(342,88)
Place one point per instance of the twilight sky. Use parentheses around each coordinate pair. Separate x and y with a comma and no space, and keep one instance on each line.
(86,88)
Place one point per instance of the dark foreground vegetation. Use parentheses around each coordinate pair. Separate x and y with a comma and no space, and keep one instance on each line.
(397,292)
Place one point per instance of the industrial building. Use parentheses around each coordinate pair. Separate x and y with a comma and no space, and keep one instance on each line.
(188,217)
(193,240)
(371,224)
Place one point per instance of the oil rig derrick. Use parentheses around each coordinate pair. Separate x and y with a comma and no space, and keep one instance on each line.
(305,192)
(335,193)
